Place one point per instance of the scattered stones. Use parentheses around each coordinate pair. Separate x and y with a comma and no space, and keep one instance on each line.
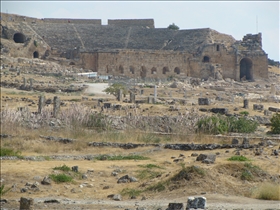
(58,139)
(206,158)
(258,107)
(219,110)
(117,197)
(52,201)
(175,206)
(75,168)
(126,179)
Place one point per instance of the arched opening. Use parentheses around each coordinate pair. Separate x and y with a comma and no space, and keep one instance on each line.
(36,54)
(121,69)
(206,59)
(177,70)
(19,38)
(246,69)
(143,72)
(132,69)
(72,63)
(154,70)
(108,69)
(218,48)
(165,70)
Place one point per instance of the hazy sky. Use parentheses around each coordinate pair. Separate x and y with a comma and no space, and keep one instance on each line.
(236,18)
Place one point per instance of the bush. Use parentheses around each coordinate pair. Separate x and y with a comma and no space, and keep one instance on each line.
(238,158)
(275,124)
(173,27)
(157,187)
(58,178)
(219,124)
(115,88)
(62,168)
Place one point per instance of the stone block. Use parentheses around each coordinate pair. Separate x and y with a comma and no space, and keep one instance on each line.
(203,101)
(26,203)
(234,141)
(196,203)
(258,107)
(219,110)
(273,109)
(175,206)
(210,158)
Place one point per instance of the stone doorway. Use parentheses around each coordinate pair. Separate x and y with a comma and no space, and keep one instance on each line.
(36,54)
(246,72)
(143,73)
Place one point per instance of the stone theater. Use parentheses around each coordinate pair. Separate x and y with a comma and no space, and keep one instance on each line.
(136,49)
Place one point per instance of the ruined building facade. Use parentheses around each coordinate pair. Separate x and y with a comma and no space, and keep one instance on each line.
(136,49)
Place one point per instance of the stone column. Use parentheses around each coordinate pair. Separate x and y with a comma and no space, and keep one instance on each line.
(272,90)
(120,95)
(41,104)
(246,104)
(26,204)
(56,106)
(31,83)
(24,82)
(155,94)
(132,97)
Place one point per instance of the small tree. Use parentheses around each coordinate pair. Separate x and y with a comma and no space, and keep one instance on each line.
(275,124)
(173,27)
(115,88)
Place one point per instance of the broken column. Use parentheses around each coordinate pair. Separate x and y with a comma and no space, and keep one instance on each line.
(41,104)
(120,95)
(132,97)
(56,106)
(272,89)
(31,83)
(155,94)
(26,204)
(246,104)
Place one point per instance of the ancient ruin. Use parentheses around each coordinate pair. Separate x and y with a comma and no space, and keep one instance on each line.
(136,49)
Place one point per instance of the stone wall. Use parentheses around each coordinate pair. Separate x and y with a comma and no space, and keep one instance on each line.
(132,22)
(76,21)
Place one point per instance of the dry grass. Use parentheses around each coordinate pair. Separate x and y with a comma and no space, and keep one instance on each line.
(267,191)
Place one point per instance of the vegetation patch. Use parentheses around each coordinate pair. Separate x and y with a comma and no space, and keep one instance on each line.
(10,152)
(130,192)
(268,191)
(188,172)
(275,124)
(148,138)
(150,166)
(158,187)
(62,168)
(59,178)
(219,124)
(4,191)
(121,157)
(238,158)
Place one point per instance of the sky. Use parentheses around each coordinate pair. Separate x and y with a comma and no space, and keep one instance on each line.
(236,18)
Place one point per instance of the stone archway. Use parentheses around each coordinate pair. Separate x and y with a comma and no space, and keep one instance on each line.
(246,72)
(121,69)
(154,70)
(143,73)
(132,69)
(177,70)
(165,70)
(206,59)
(19,38)
(36,54)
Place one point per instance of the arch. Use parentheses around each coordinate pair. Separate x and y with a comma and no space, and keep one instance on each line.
(246,69)
(206,59)
(132,69)
(36,54)
(165,70)
(121,69)
(154,70)
(143,72)
(177,70)
(19,38)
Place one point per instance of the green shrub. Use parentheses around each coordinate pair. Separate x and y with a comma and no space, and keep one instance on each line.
(238,158)
(98,122)
(149,166)
(275,124)
(115,88)
(219,124)
(35,43)
(186,173)
(58,178)
(131,192)
(62,168)
(148,174)
(247,175)
(148,138)
(9,152)
(173,27)
(245,113)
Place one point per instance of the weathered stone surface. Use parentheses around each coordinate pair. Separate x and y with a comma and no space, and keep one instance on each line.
(46,181)
(26,203)
(196,203)
(175,206)
(203,101)
(206,158)
(117,197)
(235,141)
(219,110)
(273,109)
(258,107)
